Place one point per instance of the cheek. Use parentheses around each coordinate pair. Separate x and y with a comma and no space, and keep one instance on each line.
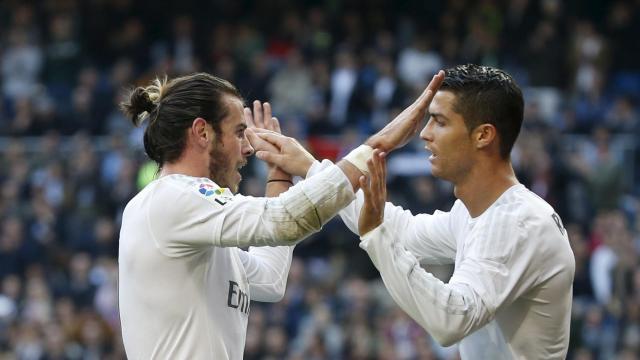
(457,147)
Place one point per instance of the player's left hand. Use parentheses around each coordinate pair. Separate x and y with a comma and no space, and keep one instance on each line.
(262,119)
(375,193)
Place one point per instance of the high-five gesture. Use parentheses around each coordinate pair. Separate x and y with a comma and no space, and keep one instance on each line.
(399,131)
(261,119)
(374,188)
(286,153)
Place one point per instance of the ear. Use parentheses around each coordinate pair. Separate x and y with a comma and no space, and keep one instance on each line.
(200,132)
(484,135)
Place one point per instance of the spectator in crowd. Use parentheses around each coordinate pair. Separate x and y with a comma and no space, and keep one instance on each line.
(65,66)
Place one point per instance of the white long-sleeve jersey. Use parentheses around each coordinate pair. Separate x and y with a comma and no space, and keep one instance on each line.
(511,291)
(185,285)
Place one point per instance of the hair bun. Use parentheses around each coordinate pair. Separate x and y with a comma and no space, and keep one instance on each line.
(139,103)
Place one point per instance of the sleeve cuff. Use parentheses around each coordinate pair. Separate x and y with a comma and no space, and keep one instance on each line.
(366,239)
(318,166)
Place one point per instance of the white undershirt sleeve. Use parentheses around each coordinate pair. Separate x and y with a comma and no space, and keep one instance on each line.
(267,269)
(449,312)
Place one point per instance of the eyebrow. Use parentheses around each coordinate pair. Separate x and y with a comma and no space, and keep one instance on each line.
(440,115)
(241,126)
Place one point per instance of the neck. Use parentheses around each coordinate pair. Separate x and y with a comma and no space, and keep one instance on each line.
(484,185)
(184,167)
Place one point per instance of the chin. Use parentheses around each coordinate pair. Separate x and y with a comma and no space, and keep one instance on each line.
(435,172)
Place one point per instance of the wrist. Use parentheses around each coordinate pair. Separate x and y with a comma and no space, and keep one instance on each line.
(305,168)
(286,181)
(358,157)
(277,173)
(375,142)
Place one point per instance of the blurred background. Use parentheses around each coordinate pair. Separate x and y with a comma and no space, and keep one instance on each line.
(335,72)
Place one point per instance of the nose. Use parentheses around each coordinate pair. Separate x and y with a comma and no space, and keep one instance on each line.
(427,134)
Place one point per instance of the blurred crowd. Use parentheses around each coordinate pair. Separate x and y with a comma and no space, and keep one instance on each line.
(334,72)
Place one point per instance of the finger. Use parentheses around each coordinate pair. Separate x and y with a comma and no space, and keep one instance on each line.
(248,117)
(267,117)
(379,180)
(383,163)
(276,125)
(258,143)
(434,85)
(382,172)
(365,188)
(264,131)
(372,176)
(429,92)
(373,168)
(274,138)
(270,157)
(257,114)
(383,191)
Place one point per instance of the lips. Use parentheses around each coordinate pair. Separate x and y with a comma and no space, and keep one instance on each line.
(433,154)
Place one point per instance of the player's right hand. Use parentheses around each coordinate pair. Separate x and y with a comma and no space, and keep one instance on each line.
(398,132)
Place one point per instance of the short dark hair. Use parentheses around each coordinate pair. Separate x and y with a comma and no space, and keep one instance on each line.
(487,95)
(171,106)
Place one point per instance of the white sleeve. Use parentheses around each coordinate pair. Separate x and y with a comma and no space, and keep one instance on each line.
(449,312)
(267,269)
(428,237)
(182,220)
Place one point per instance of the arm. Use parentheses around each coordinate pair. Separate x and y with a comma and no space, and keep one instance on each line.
(448,312)
(488,276)
(199,218)
(267,270)
(289,155)
(428,237)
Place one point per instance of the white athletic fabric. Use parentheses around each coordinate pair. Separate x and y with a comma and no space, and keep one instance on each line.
(511,291)
(184,284)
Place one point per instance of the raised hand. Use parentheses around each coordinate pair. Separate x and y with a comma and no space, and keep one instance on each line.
(284,152)
(399,131)
(261,119)
(374,188)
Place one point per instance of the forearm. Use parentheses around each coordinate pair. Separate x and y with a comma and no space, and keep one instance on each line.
(350,213)
(267,269)
(448,312)
(351,172)
(291,216)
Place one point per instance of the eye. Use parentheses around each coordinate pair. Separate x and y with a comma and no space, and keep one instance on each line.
(240,134)
(436,120)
